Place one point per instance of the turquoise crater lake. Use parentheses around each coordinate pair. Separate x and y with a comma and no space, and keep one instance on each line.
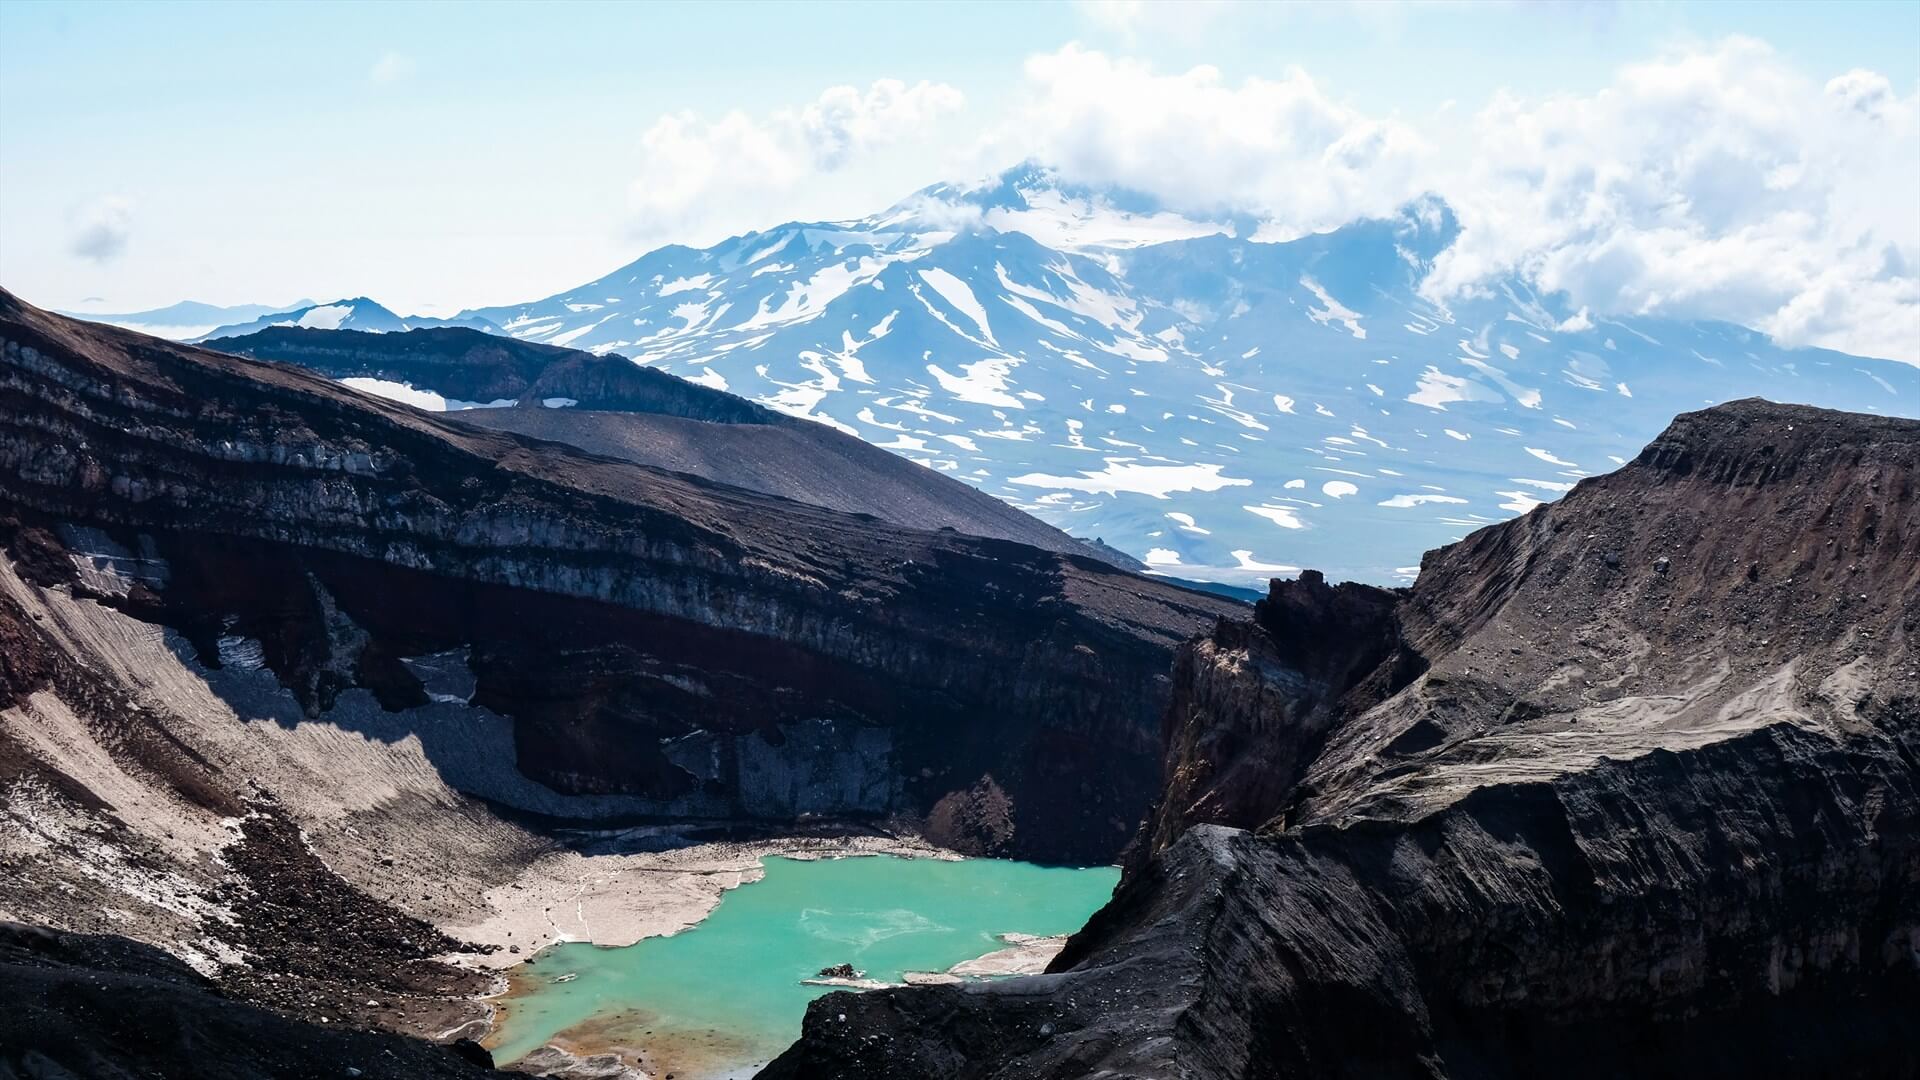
(723,998)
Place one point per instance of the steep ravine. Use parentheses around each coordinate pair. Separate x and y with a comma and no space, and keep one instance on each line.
(1627,786)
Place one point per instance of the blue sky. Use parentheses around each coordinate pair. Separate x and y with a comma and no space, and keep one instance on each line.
(444,156)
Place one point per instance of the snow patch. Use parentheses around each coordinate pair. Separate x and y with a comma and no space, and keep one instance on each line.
(1282,516)
(1123,474)
(1334,311)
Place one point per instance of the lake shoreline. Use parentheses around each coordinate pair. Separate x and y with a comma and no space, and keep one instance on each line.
(614,899)
(709,1005)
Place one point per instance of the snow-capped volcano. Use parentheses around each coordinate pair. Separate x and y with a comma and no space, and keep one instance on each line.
(1222,407)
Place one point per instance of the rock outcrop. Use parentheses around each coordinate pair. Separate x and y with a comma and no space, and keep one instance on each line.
(1627,785)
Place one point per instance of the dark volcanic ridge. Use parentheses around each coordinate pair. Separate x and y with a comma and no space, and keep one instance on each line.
(611,406)
(1625,786)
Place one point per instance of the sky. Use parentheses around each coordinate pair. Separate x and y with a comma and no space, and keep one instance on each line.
(1753,162)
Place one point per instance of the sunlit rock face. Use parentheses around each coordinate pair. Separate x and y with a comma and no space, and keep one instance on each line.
(1624,786)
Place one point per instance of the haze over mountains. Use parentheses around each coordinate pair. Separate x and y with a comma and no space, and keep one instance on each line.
(186,319)
(1218,402)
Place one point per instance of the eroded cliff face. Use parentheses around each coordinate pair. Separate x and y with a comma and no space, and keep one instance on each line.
(678,647)
(1255,700)
(1625,786)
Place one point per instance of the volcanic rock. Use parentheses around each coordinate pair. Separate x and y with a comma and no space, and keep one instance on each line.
(1551,811)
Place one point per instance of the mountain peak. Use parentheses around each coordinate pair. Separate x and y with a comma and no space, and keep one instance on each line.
(1036,199)
(358,313)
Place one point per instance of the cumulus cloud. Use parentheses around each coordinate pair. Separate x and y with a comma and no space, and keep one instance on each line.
(100,229)
(1717,184)
(1283,147)
(698,174)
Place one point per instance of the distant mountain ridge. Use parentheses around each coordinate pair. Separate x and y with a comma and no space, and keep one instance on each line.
(1219,405)
(186,319)
(609,406)
(359,313)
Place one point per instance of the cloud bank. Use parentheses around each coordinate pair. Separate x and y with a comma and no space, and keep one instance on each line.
(1714,183)
(1718,184)
(699,177)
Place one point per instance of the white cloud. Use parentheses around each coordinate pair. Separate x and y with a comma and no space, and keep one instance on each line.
(1575,323)
(701,178)
(100,229)
(1719,183)
(390,68)
(1715,184)
(1200,143)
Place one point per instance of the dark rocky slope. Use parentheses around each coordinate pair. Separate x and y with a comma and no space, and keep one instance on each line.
(621,409)
(684,647)
(1626,786)
(91,1007)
